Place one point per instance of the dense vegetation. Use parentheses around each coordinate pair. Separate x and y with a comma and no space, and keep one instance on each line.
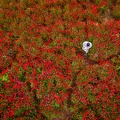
(43,73)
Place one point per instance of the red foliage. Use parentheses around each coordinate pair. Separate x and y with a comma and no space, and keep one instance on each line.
(44,73)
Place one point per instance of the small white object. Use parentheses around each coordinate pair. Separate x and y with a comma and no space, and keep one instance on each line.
(86,46)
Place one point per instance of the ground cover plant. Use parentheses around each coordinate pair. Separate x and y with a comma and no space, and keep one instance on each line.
(44,75)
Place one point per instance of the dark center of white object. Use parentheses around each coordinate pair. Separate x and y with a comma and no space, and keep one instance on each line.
(88,44)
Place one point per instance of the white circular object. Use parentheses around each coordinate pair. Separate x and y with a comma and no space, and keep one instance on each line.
(86,46)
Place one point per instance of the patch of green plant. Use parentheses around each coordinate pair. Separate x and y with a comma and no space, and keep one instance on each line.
(54,82)
(102,9)
(22,76)
(84,17)
(75,65)
(21,110)
(1,86)
(0,4)
(55,105)
(109,109)
(98,111)
(45,82)
(54,43)
(32,114)
(60,89)
(116,13)
(91,39)
(7,2)
(114,60)
(118,70)
(15,37)
(77,116)
(58,12)
(97,2)
(103,73)
(29,70)
(42,2)
(5,78)
(39,70)
(118,67)
(91,97)
(44,38)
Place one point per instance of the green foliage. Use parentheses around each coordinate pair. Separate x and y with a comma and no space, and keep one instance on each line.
(97,2)
(19,111)
(102,9)
(46,84)
(91,39)
(55,105)
(118,70)
(22,76)
(5,78)
(39,70)
(91,97)
(116,12)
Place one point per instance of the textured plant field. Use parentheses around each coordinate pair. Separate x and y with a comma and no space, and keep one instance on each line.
(44,75)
